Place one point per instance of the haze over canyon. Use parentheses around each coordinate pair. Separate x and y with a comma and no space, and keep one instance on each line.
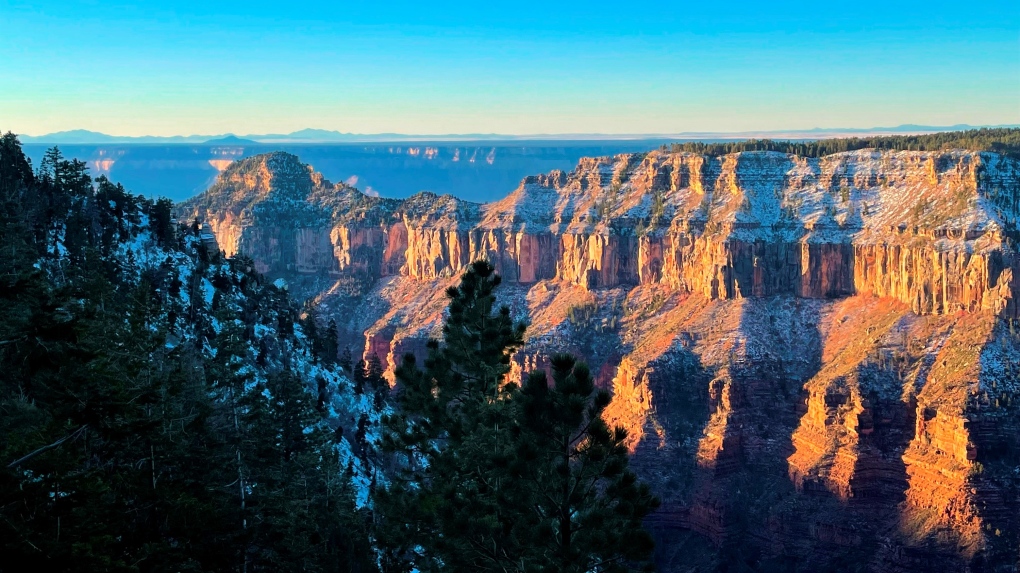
(477,170)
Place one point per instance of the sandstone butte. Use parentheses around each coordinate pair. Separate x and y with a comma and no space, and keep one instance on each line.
(817,358)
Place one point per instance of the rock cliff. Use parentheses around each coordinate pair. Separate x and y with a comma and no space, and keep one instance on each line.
(817,358)
(935,231)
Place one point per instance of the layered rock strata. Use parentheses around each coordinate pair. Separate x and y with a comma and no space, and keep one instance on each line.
(935,231)
(817,359)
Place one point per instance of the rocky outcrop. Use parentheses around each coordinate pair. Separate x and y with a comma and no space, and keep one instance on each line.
(815,359)
(377,251)
(935,281)
(936,231)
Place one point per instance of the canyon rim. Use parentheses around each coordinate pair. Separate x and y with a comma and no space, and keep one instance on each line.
(817,359)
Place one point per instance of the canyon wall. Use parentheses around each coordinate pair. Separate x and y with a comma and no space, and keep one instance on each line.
(817,359)
(935,231)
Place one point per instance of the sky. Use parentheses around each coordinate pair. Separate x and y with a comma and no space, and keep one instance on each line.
(178,67)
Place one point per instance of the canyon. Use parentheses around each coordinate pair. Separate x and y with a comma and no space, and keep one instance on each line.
(817,359)
(478,170)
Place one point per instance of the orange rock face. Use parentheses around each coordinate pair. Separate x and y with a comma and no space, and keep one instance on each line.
(929,229)
(817,360)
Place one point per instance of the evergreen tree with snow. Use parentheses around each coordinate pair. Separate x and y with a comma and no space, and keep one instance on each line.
(139,429)
(493,477)
(447,508)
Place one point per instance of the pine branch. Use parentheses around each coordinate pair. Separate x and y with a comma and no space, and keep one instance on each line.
(47,448)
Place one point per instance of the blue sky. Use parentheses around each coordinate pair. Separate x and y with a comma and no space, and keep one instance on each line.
(216,66)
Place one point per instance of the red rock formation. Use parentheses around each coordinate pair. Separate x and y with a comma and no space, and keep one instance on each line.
(816,358)
(924,228)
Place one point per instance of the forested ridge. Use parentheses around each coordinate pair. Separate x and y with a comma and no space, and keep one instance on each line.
(1002,140)
(161,408)
(166,408)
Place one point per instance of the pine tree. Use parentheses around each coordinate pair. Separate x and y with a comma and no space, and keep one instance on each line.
(310,326)
(346,361)
(586,506)
(330,344)
(302,512)
(360,373)
(498,478)
(15,171)
(375,379)
(161,221)
(448,510)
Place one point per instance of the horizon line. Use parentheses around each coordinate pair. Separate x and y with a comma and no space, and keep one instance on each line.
(308,135)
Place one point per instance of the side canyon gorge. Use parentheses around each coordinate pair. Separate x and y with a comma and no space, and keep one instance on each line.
(817,359)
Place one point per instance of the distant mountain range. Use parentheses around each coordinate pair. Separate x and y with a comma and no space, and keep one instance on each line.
(82,136)
(231,140)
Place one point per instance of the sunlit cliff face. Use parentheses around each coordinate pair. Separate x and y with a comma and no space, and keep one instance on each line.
(817,358)
(220,164)
(101,166)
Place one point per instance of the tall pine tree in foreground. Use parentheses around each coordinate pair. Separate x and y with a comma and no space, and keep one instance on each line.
(447,507)
(585,506)
(495,478)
